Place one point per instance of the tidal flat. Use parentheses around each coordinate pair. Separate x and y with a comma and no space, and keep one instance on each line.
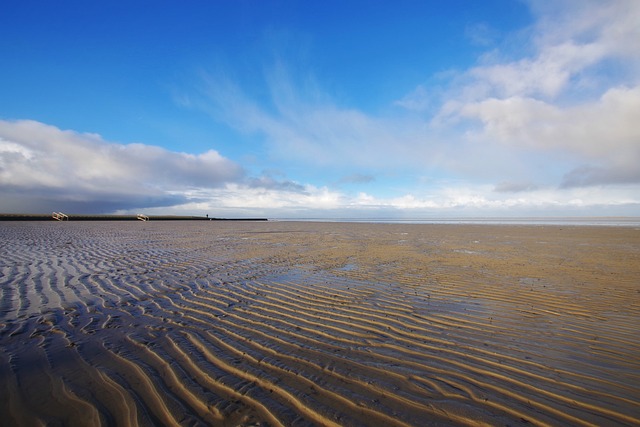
(311,323)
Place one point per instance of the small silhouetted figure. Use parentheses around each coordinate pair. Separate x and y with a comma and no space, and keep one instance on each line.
(207,215)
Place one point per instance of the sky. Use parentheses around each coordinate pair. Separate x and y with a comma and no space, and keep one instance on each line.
(321,109)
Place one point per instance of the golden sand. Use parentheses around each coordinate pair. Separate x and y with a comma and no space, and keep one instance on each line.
(299,323)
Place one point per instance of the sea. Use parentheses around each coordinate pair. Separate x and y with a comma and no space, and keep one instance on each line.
(566,221)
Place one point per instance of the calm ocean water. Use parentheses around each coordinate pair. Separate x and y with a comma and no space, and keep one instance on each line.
(573,221)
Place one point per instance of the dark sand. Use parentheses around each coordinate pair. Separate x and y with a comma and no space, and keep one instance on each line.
(295,324)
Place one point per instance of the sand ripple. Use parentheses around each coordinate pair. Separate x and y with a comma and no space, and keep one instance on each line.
(299,324)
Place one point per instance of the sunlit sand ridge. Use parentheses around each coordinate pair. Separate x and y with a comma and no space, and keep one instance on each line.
(287,323)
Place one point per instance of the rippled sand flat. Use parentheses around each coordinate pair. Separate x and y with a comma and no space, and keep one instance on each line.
(299,323)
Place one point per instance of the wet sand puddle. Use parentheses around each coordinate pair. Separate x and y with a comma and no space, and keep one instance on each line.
(318,324)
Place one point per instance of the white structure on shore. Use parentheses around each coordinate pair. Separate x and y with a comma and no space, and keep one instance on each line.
(59,216)
(143,217)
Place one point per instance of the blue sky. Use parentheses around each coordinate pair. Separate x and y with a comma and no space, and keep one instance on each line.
(321,109)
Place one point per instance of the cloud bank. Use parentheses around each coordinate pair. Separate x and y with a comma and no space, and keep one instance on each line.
(43,168)
(61,168)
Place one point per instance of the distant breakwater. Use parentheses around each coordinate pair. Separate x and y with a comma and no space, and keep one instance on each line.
(71,217)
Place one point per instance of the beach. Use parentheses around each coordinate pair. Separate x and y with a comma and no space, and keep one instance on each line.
(310,323)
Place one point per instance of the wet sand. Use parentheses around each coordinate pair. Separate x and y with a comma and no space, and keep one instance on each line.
(299,323)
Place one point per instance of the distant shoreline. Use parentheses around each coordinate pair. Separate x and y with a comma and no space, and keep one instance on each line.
(609,221)
(71,217)
(547,221)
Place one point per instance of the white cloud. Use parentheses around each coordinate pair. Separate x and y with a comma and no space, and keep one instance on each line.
(356,178)
(447,199)
(482,199)
(609,23)
(570,39)
(514,187)
(43,168)
(304,125)
(604,132)
(545,75)
(67,166)
(417,100)
(238,200)
(236,196)
(575,99)
(481,34)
